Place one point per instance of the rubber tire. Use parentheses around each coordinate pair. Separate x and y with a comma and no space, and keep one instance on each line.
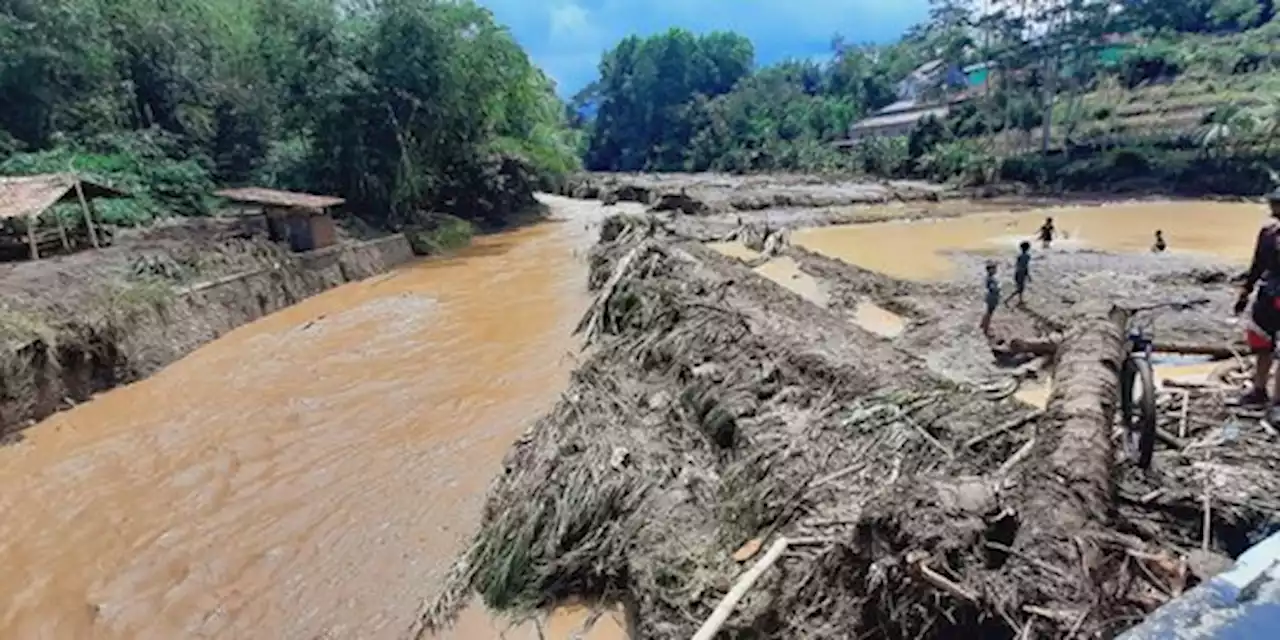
(1138,370)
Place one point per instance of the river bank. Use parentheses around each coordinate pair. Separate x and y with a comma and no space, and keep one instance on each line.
(73,326)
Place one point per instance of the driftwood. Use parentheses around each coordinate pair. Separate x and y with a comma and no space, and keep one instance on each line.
(1016,423)
(1049,347)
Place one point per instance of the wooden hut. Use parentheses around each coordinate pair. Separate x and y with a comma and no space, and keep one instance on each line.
(27,197)
(302,220)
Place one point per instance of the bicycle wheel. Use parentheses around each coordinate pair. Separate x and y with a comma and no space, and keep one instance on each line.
(1139,413)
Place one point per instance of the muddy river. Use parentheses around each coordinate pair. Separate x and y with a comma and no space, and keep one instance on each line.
(307,476)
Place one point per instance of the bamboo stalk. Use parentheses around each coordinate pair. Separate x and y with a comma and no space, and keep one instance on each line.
(1015,459)
(740,589)
(31,238)
(1186,408)
(88,215)
(1003,428)
(62,231)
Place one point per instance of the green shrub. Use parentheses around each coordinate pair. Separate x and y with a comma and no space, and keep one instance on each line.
(147,164)
(1150,63)
(962,161)
(437,233)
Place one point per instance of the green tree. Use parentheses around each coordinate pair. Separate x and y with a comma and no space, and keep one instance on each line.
(647,88)
(404,106)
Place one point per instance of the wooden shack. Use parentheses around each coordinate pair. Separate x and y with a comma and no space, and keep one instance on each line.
(302,220)
(25,198)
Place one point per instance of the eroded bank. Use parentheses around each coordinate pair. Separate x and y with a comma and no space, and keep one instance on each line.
(62,353)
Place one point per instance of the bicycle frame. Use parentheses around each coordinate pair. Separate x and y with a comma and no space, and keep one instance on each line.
(1140,343)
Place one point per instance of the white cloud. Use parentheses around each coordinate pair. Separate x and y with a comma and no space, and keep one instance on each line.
(569,20)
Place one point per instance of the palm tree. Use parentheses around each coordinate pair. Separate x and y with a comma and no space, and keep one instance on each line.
(1223,126)
(1265,122)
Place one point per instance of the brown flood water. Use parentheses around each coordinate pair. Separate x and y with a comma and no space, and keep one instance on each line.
(916,250)
(786,272)
(307,476)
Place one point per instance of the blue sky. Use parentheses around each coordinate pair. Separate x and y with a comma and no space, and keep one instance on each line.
(566,37)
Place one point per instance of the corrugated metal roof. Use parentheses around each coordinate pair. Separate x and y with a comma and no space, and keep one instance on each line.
(894,119)
(27,196)
(275,198)
(899,106)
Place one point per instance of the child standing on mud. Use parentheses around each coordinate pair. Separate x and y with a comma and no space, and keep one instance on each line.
(993,298)
(1021,273)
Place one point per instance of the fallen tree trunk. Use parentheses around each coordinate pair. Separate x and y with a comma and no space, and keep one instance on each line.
(1086,385)
(1050,347)
(1069,493)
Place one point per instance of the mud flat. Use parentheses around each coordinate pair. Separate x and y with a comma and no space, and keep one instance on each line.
(73,326)
(719,193)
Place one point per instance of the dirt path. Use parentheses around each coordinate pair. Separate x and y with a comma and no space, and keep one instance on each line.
(306,476)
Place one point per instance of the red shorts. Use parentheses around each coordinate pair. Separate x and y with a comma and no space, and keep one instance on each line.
(1264,323)
(1259,341)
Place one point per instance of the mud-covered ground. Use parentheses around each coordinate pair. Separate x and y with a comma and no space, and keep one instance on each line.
(719,202)
(176,252)
(943,316)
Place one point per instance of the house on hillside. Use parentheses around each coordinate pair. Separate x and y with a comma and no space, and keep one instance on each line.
(929,91)
(899,122)
(921,81)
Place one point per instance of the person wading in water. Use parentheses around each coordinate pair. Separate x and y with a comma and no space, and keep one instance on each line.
(1264,318)
(1160,244)
(1046,233)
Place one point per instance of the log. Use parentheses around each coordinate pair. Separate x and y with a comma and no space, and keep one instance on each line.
(1081,407)
(1049,347)
(1069,488)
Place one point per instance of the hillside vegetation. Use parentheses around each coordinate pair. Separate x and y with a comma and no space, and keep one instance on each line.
(1135,93)
(402,106)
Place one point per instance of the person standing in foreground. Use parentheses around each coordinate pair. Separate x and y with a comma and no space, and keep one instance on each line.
(1264,318)
(1021,273)
(993,298)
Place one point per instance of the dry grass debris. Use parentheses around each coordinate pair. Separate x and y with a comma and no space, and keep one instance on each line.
(717,411)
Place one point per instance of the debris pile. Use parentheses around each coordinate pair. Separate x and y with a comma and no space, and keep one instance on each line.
(718,414)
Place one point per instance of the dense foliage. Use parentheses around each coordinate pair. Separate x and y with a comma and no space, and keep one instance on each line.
(1054,108)
(402,106)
